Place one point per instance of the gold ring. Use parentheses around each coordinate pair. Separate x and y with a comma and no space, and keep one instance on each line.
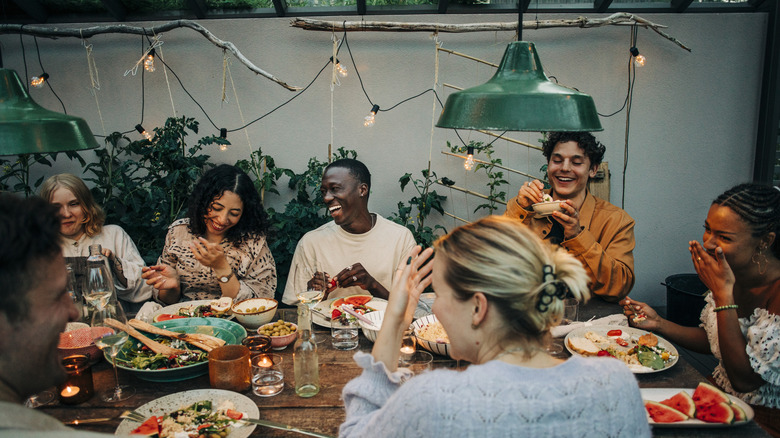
(699,258)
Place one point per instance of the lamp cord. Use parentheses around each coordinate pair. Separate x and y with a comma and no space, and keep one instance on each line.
(43,70)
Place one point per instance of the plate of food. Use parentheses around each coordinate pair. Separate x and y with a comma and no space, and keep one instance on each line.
(196,309)
(431,335)
(642,351)
(360,303)
(192,411)
(136,358)
(704,406)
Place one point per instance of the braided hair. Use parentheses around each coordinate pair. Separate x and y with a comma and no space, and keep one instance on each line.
(759,206)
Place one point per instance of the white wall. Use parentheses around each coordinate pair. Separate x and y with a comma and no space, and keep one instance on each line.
(692,128)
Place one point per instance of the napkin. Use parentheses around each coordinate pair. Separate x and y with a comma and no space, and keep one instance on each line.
(146,312)
(616,319)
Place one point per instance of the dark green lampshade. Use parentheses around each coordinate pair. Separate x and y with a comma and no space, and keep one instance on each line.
(28,128)
(519,97)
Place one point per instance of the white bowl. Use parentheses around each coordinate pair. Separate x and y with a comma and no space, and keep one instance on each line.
(368,331)
(439,348)
(247,312)
(547,208)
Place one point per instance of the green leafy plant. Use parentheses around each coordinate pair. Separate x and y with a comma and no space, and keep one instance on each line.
(144,185)
(412,215)
(16,172)
(496,179)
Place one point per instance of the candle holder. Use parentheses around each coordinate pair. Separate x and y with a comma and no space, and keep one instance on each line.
(408,345)
(257,344)
(267,375)
(78,386)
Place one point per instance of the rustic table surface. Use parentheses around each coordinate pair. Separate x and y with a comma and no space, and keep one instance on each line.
(324,412)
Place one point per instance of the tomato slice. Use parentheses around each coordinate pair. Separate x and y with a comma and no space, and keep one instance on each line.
(604,353)
(335,314)
(234,414)
(614,333)
(622,342)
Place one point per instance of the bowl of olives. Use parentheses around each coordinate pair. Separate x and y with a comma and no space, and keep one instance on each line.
(282,333)
(254,312)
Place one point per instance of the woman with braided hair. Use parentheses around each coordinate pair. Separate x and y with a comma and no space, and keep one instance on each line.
(739,261)
(499,290)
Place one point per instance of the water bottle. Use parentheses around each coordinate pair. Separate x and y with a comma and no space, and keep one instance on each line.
(305,359)
(99,292)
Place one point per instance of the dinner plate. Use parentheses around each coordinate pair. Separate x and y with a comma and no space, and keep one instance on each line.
(172,402)
(233,333)
(658,394)
(634,334)
(324,307)
(173,309)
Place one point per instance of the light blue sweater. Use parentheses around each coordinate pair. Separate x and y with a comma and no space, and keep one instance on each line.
(593,397)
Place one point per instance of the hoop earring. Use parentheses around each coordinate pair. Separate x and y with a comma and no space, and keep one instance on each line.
(760,259)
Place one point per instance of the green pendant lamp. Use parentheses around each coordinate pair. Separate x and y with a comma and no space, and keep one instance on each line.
(28,128)
(519,97)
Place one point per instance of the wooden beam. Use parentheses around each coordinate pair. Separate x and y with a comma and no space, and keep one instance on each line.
(601,5)
(198,8)
(281,7)
(680,5)
(116,9)
(34,9)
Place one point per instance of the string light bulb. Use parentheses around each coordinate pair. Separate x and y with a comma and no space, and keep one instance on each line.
(38,81)
(143,132)
(340,69)
(149,61)
(469,163)
(223,134)
(639,59)
(369,119)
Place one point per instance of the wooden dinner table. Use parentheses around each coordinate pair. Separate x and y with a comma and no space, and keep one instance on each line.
(324,412)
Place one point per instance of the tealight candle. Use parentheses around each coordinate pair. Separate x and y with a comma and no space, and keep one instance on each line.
(267,375)
(408,345)
(78,386)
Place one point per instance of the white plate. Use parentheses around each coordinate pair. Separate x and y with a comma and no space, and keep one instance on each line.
(172,402)
(634,333)
(324,307)
(173,309)
(658,394)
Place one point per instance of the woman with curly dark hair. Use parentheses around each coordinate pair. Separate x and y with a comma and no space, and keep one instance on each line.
(220,248)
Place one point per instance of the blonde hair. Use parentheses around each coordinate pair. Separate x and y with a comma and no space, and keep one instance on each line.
(501,258)
(93,214)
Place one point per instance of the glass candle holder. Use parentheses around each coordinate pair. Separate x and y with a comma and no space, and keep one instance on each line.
(257,344)
(267,375)
(78,386)
(408,345)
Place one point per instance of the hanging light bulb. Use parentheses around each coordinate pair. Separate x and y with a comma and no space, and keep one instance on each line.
(369,119)
(38,81)
(639,60)
(469,163)
(223,134)
(149,61)
(143,132)
(340,69)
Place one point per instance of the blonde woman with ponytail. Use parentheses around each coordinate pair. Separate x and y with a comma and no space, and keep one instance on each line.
(499,290)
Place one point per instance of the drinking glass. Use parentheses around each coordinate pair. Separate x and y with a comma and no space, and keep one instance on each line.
(267,375)
(344,332)
(111,341)
(39,399)
(570,307)
(310,296)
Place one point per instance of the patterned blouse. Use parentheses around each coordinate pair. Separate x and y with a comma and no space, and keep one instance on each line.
(251,261)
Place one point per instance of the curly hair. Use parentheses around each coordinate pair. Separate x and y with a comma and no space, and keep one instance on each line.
(501,258)
(592,147)
(356,168)
(31,234)
(759,206)
(211,186)
(94,217)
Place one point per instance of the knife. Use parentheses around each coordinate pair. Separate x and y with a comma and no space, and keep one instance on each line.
(280,426)
(86,421)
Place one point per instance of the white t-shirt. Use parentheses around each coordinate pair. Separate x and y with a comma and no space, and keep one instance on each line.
(330,249)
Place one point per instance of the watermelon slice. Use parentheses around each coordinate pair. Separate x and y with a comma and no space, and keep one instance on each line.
(355,300)
(739,414)
(707,394)
(683,402)
(663,414)
(715,413)
(150,427)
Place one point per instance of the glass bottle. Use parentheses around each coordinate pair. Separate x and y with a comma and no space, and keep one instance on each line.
(305,359)
(74,292)
(99,290)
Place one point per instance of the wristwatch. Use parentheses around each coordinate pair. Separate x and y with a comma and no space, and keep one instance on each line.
(227,278)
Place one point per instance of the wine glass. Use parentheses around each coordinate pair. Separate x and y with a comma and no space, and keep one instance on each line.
(309,296)
(110,340)
(39,399)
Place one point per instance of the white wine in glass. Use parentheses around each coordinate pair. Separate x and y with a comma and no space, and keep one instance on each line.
(111,341)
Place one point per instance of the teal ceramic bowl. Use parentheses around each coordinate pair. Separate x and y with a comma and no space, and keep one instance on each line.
(232,333)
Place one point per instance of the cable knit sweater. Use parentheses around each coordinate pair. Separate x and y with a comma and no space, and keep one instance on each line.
(578,398)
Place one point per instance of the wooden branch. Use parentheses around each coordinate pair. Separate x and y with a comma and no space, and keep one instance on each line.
(87,32)
(617,19)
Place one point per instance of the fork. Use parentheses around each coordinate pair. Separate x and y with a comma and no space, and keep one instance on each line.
(133,416)
(130,415)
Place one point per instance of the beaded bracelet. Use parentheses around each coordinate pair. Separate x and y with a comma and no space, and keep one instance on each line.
(730,306)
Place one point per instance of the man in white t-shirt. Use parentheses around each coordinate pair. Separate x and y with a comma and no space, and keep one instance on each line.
(358,251)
